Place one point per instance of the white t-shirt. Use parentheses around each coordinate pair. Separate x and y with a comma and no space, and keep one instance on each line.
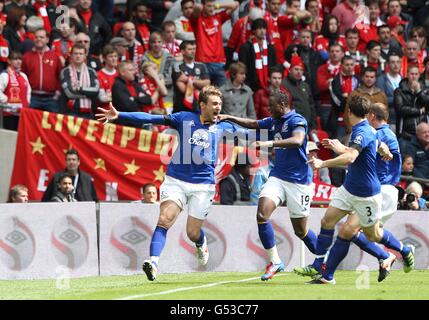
(394,80)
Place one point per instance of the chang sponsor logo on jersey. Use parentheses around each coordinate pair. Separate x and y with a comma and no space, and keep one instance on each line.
(200,138)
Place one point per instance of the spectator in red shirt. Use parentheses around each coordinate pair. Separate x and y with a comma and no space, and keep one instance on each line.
(329,36)
(4,50)
(154,86)
(171,44)
(62,45)
(373,57)
(346,13)
(15,91)
(342,85)
(241,32)
(397,27)
(368,29)
(135,51)
(142,23)
(94,25)
(43,68)
(281,28)
(107,75)
(207,27)
(325,73)
(261,97)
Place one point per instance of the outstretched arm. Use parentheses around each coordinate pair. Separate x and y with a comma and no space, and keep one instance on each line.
(293,142)
(138,118)
(246,123)
(342,160)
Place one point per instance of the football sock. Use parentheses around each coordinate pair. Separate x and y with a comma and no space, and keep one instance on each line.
(273,255)
(266,234)
(200,240)
(391,242)
(371,247)
(154,259)
(324,241)
(337,253)
(158,241)
(310,241)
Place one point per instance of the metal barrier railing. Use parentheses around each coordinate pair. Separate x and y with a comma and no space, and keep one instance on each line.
(412,178)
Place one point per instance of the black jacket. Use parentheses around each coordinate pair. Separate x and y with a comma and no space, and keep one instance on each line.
(419,154)
(85,190)
(71,96)
(15,44)
(124,101)
(311,60)
(394,47)
(99,31)
(247,56)
(408,105)
(302,100)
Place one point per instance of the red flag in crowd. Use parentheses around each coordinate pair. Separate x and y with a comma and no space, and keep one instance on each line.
(120,159)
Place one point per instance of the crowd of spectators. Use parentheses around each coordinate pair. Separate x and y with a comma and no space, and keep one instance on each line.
(74,56)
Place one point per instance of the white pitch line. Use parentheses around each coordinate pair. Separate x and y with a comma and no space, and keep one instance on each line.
(139,296)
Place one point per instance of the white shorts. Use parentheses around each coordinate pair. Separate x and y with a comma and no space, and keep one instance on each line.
(368,209)
(198,197)
(297,196)
(389,205)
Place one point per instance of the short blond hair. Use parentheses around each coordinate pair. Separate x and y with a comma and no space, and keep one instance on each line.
(208,91)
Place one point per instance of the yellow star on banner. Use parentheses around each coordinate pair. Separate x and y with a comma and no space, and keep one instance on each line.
(131,167)
(99,164)
(37,146)
(159,174)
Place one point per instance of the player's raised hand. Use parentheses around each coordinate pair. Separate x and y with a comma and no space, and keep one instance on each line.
(107,115)
(315,163)
(333,144)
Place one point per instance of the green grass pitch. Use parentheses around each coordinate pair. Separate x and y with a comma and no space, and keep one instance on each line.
(224,286)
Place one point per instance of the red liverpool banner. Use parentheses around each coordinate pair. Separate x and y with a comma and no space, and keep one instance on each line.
(120,159)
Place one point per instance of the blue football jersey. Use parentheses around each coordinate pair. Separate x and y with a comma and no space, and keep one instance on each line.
(362,179)
(195,158)
(389,172)
(290,163)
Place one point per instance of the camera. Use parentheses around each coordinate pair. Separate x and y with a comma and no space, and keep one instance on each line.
(410,198)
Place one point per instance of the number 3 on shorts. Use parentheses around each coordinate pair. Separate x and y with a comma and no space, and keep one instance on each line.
(369,211)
